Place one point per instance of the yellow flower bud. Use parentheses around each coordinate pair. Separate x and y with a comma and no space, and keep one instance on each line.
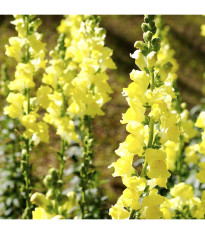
(140,59)
(151,59)
(40,200)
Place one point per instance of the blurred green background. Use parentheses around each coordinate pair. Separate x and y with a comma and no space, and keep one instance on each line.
(122,32)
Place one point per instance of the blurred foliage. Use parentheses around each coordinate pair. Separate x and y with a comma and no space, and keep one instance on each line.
(122,32)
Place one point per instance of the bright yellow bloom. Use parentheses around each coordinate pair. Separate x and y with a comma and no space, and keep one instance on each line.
(15,48)
(200,123)
(136,114)
(187,126)
(40,213)
(191,154)
(156,160)
(150,205)
(196,208)
(134,182)
(123,166)
(118,212)
(171,149)
(182,190)
(140,59)
(130,198)
(16,101)
(168,207)
(42,96)
(201,174)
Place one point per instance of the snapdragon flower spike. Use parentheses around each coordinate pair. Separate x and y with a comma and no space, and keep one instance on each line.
(182,203)
(167,63)
(151,123)
(55,94)
(29,51)
(85,46)
(88,89)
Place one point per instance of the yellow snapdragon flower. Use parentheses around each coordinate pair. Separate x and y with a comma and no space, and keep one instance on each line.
(156,160)
(150,205)
(16,101)
(118,212)
(182,190)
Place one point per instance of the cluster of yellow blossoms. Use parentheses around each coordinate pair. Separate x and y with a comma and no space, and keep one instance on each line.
(185,124)
(183,204)
(151,124)
(29,52)
(84,44)
(76,80)
(54,95)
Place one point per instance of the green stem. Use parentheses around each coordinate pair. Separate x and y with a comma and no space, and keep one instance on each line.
(152,79)
(28,100)
(151,127)
(151,133)
(180,159)
(27,55)
(26,173)
(25,157)
(132,214)
(86,161)
(63,107)
(62,161)
(83,204)
(150,141)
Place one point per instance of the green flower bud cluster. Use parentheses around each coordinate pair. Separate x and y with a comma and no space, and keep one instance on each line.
(149,29)
(52,181)
(54,202)
(4,90)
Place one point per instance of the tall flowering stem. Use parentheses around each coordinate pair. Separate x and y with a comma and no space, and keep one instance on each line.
(90,89)
(53,96)
(151,122)
(29,51)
